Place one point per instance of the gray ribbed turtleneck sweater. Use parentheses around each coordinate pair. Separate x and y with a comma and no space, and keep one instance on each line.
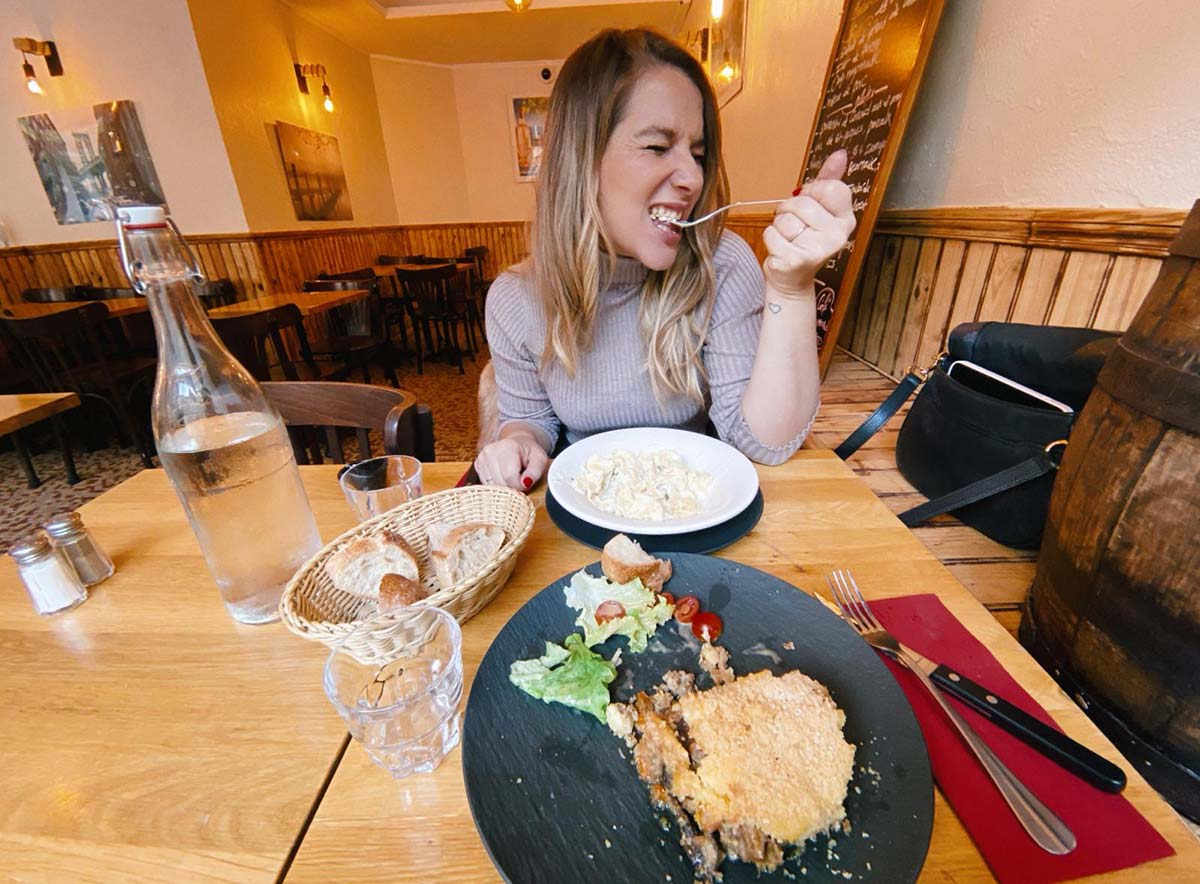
(611,388)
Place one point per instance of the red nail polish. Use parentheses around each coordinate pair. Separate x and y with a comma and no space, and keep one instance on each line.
(796,192)
(527,482)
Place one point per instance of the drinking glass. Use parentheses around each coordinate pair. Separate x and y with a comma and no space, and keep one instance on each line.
(377,485)
(402,701)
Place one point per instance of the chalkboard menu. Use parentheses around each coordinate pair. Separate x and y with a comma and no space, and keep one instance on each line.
(874,70)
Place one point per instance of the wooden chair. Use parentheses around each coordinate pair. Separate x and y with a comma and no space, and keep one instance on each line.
(105,293)
(54,295)
(247,337)
(437,301)
(399,259)
(329,407)
(479,254)
(359,333)
(63,352)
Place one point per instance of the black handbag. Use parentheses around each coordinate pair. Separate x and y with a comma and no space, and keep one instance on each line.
(973,449)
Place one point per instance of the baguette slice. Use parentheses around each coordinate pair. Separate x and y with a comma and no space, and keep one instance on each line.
(360,566)
(458,552)
(396,592)
(624,559)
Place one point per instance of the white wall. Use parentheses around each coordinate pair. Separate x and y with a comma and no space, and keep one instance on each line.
(141,50)
(419,113)
(483,92)
(1070,103)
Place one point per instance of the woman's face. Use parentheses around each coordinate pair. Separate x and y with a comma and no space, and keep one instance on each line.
(653,166)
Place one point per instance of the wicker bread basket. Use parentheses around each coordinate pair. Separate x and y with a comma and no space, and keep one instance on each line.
(313,608)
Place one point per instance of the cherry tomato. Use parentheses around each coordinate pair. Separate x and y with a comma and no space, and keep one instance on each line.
(686,608)
(707,626)
(609,610)
(667,597)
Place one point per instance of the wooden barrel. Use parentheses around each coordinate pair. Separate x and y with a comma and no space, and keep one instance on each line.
(1114,611)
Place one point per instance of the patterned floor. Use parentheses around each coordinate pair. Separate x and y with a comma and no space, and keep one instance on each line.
(451,395)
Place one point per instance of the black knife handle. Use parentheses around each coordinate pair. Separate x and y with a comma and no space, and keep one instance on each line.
(1054,744)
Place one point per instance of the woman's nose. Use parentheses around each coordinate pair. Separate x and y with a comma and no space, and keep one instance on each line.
(688,174)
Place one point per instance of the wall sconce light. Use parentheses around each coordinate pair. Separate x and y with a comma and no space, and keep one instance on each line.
(717,9)
(304,71)
(47,50)
(518,5)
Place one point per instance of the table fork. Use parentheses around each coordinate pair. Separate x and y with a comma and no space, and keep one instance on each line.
(716,212)
(1047,830)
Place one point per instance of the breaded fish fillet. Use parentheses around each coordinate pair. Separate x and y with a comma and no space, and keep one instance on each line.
(759,761)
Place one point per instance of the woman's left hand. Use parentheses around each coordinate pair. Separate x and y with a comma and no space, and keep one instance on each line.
(809,229)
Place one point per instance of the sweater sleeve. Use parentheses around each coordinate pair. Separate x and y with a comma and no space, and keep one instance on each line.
(730,347)
(521,393)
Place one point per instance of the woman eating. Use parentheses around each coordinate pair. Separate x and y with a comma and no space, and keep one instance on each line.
(621,319)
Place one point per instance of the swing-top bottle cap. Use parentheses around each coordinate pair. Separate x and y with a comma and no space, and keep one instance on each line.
(142,216)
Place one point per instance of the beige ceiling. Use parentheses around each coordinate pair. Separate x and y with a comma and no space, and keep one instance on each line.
(482,37)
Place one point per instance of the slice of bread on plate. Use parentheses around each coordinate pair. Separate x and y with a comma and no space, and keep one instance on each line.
(360,565)
(459,552)
(623,559)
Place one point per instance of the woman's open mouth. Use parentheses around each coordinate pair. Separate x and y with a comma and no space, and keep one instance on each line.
(662,216)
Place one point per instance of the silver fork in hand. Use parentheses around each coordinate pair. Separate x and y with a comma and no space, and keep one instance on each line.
(717,212)
(1050,832)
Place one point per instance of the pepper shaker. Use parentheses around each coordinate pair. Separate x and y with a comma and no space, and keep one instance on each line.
(47,573)
(91,563)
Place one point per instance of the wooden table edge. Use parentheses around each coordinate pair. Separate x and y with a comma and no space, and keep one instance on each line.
(59,403)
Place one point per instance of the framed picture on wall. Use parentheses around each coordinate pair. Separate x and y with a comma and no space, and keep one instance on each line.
(316,181)
(527,132)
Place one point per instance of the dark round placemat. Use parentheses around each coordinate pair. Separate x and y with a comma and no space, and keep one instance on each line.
(555,797)
(705,541)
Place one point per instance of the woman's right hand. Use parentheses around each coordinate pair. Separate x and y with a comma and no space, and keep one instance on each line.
(517,460)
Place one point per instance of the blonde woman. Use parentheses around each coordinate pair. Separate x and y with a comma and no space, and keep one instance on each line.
(619,319)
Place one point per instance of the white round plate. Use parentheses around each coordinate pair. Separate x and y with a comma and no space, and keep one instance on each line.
(735,481)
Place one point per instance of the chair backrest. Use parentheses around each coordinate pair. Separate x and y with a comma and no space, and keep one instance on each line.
(478,254)
(429,259)
(428,289)
(247,335)
(54,295)
(363,317)
(400,259)
(62,351)
(105,293)
(217,292)
(335,405)
(339,284)
(362,273)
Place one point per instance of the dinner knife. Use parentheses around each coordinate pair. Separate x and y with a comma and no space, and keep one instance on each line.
(1054,744)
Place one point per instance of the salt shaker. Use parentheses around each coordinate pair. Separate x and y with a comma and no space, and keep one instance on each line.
(47,573)
(91,563)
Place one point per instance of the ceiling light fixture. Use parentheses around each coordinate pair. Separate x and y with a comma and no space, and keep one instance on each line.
(518,5)
(28,46)
(304,71)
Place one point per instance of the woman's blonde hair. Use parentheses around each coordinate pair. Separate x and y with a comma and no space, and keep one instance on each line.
(588,101)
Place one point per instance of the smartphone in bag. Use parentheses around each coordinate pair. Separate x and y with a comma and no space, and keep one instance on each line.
(985,381)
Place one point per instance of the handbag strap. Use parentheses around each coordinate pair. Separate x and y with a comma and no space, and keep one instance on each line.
(912,379)
(1026,471)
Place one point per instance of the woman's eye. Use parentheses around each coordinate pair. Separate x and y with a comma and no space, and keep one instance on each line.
(657,148)
(699,158)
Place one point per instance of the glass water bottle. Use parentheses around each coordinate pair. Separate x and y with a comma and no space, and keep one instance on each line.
(222,444)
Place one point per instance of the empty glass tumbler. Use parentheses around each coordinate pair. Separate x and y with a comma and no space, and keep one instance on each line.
(379,484)
(397,681)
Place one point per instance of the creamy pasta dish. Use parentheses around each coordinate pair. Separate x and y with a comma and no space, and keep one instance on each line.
(652,485)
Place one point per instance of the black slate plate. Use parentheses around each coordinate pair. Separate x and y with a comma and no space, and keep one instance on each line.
(704,541)
(555,797)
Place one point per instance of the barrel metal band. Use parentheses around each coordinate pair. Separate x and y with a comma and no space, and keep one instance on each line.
(1154,389)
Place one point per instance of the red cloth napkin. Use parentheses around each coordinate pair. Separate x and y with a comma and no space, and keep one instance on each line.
(1111,833)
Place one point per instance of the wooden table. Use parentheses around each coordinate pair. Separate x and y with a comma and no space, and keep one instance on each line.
(26,409)
(310,303)
(146,733)
(819,516)
(117,307)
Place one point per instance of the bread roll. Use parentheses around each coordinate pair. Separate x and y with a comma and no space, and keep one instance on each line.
(624,559)
(458,552)
(360,565)
(396,592)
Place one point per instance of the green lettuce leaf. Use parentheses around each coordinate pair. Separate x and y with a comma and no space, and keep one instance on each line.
(644,611)
(573,675)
